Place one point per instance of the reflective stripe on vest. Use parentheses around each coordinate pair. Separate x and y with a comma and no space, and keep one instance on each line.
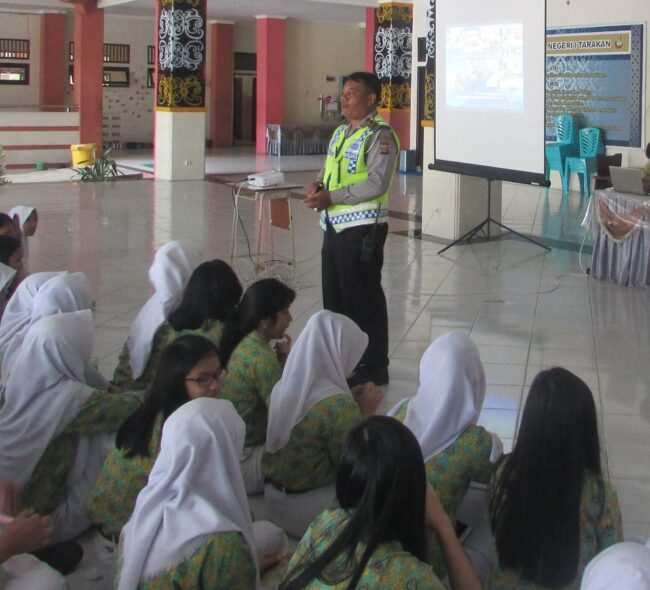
(345,166)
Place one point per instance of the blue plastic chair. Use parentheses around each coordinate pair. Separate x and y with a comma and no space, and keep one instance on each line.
(566,133)
(591,144)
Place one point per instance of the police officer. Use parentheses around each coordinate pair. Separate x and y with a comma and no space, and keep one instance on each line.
(351,192)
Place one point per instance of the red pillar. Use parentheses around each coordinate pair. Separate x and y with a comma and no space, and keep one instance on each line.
(371,29)
(89,70)
(221,84)
(270,77)
(51,88)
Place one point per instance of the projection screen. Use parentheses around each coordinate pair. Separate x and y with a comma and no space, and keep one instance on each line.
(490,88)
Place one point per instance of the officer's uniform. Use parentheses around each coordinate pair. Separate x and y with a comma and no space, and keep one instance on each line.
(359,167)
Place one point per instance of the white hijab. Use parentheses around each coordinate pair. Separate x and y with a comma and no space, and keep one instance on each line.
(171,269)
(65,293)
(19,309)
(45,391)
(23,213)
(321,360)
(624,566)
(450,396)
(7,275)
(195,490)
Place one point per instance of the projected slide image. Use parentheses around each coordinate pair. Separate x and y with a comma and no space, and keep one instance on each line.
(485,67)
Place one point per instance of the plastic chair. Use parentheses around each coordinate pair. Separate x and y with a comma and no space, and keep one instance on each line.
(309,143)
(273,139)
(288,140)
(603,177)
(566,134)
(591,144)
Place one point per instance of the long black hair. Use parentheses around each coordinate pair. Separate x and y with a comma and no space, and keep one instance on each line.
(8,246)
(381,482)
(261,301)
(535,510)
(212,293)
(166,393)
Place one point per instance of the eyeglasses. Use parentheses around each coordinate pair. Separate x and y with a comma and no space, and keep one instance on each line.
(205,381)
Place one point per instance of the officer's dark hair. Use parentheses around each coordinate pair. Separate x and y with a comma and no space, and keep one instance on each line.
(370,81)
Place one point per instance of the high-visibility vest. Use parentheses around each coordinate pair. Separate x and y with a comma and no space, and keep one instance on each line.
(346,165)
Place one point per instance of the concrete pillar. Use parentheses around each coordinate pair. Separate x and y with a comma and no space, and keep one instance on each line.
(179,152)
(89,70)
(270,77)
(51,89)
(393,49)
(371,29)
(221,83)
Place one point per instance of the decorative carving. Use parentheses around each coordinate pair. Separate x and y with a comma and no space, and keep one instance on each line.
(395,96)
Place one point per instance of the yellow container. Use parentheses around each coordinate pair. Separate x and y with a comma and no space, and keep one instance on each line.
(83,154)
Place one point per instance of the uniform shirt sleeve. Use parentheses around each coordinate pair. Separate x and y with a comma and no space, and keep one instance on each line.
(381,157)
(103,412)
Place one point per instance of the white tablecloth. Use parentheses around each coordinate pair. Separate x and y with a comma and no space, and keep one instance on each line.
(620,226)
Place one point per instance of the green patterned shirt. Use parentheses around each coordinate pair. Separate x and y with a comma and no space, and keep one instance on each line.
(102,412)
(123,375)
(389,567)
(451,471)
(121,479)
(311,457)
(598,530)
(222,562)
(253,370)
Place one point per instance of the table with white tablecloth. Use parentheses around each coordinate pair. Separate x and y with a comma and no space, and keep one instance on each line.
(620,226)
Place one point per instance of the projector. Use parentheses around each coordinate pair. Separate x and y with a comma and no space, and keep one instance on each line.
(264,179)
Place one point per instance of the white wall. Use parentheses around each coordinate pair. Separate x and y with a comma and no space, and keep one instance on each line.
(312,52)
(22,26)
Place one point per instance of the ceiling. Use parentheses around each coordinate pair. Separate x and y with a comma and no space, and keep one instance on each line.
(343,11)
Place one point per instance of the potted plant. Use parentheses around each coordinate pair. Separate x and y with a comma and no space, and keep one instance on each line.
(103,169)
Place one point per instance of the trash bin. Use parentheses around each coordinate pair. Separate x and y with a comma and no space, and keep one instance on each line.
(41,166)
(83,154)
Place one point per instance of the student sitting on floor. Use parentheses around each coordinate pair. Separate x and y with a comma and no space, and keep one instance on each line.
(310,412)
(28,221)
(63,293)
(55,430)
(211,295)
(378,536)
(253,366)
(443,416)
(191,527)
(7,276)
(18,312)
(189,368)
(11,256)
(551,509)
(171,270)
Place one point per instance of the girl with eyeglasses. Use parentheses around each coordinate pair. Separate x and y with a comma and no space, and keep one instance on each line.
(189,368)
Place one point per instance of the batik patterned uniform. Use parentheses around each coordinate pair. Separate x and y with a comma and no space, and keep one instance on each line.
(123,375)
(102,412)
(120,481)
(311,457)
(222,562)
(600,527)
(252,371)
(389,567)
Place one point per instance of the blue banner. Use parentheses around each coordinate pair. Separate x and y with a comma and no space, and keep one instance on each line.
(596,74)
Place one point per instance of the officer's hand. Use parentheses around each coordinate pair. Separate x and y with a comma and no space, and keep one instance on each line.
(313,188)
(318,201)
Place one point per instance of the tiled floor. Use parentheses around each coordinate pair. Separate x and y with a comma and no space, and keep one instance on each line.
(525,308)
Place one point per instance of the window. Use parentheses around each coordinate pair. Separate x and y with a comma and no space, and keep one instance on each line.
(151,55)
(14,73)
(246,62)
(117,77)
(116,53)
(150,78)
(14,49)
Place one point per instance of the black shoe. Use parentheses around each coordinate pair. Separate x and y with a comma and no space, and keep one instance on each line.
(63,557)
(379,377)
(361,377)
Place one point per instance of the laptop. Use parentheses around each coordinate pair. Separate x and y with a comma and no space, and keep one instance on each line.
(627,180)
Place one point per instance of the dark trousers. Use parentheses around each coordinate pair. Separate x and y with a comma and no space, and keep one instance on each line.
(353,287)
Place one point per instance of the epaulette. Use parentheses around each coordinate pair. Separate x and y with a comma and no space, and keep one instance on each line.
(372,124)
